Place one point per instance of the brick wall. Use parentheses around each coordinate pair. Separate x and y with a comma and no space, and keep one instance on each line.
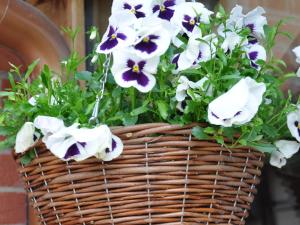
(13,201)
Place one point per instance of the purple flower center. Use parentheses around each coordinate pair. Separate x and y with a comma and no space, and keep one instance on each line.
(112,39)
(135,10)
(251,27)
(190,22)
(74,150)
(253,55)
(135,73)
(147,44)
(252,40)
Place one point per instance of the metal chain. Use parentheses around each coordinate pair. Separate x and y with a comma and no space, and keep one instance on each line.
(94,117)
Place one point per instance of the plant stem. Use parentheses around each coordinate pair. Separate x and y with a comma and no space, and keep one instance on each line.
(132,98)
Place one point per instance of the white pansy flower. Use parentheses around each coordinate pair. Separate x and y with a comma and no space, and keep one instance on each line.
(138,9)
(238,105)
(255,21)
(165,9)
(79,143)
(189,15)
(254,53)
(130,70)
(297,53)
(26,137)
(286,149)
(116,37)
(153,38)
(112,153)
(199,49)
(293,122)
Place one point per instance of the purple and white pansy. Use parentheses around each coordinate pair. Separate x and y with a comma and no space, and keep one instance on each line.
(285,150)
(254,53)
(198,50)
(130,70)
(113,152)
(297,53)
(153,38)
(189,15)
(115,38)
(73,143)
(165,9)
(139,9)
(293,122)
(238,105)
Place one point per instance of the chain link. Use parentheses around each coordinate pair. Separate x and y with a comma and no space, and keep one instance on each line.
(94,117)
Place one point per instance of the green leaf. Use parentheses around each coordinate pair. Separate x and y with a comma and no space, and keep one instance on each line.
(7,94)
(163,109)
(263,147)
(30,69)
(199,133)
(83,75)
(209,130)
(26,159)
(129,120)
(139,110)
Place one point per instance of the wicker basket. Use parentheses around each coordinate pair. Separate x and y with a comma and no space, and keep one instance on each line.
(164,176)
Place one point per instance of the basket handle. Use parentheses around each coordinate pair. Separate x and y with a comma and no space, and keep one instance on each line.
(94,118)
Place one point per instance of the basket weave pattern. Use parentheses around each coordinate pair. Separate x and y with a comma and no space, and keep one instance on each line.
(164,176)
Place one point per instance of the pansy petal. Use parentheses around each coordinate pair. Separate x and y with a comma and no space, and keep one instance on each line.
(256,52)
(114,151)
(48,125)
(277,159)
(296,51)
(25,137)
(287,148)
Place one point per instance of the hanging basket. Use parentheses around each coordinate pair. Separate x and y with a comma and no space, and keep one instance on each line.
(164,176)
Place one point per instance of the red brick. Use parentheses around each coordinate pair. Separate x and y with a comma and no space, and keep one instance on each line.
(8,172)
(12,208)
(4,84)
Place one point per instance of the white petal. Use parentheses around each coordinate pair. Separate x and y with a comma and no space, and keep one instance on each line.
(231,41)
(32,100)
(293,119)
(48,125)
(287,148)
(277,159)
(25,137)
(181,92)
(113,152)
(298,72)
(237,106)
(297,53)
(260,50)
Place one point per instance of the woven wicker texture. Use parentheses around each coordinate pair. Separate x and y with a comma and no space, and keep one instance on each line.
(164,176)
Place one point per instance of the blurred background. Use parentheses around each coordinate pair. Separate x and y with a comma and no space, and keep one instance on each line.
(32,29)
